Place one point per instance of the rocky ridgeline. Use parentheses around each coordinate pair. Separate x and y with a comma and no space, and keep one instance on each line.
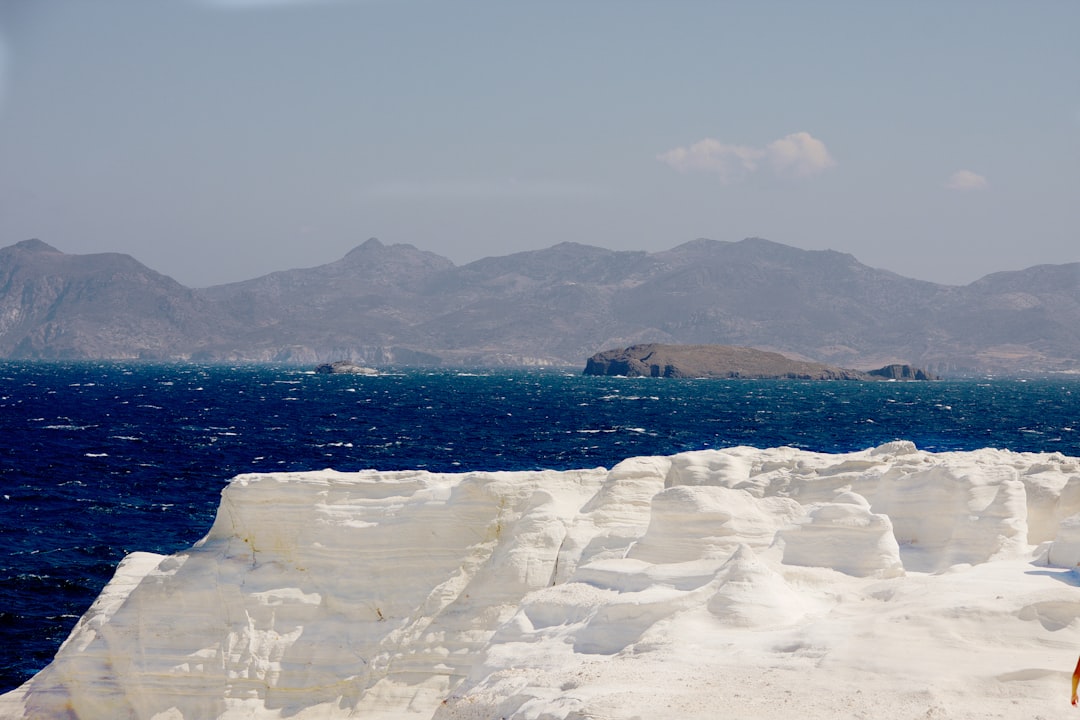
(395,305)
(725,361)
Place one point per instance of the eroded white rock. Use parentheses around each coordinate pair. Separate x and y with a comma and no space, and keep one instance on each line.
(662,583)
(846,536)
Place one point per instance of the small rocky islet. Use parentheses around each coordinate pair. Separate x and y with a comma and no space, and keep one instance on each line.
(729,361)
(344,367)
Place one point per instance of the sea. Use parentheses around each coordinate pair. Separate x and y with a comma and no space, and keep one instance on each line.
(99,459)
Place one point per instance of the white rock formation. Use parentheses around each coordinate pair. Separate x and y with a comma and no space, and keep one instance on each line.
(844,535)
(739,583)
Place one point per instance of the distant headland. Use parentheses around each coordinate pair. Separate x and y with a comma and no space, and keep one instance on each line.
(728,361)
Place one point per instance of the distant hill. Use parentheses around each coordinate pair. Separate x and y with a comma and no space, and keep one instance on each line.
(728,361)
(54,305)
(395,304)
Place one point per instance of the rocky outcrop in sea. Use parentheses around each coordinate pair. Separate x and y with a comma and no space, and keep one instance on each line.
(727,361)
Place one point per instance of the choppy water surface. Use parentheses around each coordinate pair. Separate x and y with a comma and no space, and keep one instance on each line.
(101,459)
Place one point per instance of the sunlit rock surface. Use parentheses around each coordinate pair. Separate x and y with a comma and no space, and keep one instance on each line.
(741,583)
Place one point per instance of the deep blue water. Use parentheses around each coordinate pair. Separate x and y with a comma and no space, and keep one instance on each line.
(101,459)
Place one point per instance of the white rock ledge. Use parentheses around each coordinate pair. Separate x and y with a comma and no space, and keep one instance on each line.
(740,583)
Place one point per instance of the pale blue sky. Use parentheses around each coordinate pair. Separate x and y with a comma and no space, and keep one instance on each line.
(218,140)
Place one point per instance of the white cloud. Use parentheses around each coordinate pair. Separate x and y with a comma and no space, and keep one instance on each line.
(798,155)
(966,180)
(714,156)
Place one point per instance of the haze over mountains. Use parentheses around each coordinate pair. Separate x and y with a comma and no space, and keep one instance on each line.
(395,304)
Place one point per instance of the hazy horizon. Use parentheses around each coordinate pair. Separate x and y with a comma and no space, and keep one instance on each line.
(220,140)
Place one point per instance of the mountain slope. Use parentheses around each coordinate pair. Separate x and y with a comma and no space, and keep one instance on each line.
(1011,319)
(758,293)
(54,305)
(386,304)
(361,305)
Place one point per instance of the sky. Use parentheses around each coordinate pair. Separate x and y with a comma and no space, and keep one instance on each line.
(220,140)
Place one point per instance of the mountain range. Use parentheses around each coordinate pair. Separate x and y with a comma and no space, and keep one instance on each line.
(397,305)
